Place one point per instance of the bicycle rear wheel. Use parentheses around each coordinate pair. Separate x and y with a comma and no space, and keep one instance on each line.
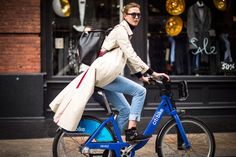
(169,142)
(69,144)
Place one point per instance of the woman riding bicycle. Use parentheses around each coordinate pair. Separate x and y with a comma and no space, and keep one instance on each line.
(119,41)
(104,72)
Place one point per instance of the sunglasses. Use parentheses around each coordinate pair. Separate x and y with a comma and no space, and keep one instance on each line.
(134,15)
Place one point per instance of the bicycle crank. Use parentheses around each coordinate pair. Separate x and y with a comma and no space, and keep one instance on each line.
(125,153)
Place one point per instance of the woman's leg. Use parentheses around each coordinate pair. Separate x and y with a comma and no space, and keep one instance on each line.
(138,93)
(121,104)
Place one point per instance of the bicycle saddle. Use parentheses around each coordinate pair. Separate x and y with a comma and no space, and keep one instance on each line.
(100,97)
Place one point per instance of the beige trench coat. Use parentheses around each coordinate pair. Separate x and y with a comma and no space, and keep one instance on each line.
(69,104)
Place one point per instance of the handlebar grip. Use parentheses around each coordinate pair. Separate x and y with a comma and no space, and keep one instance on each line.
(155,81)
(162,80)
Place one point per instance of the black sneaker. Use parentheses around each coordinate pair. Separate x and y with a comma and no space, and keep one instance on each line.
(131,135)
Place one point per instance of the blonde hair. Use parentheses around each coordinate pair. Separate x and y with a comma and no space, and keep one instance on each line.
(128,6)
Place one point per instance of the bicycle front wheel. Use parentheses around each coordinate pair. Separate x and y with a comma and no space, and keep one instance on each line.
(69,144)
(170,144)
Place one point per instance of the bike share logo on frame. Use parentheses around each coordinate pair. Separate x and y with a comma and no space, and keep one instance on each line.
(157,116)
(104,146)
(81,129)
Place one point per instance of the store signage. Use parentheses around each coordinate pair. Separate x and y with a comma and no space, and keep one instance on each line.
(202,49)
(227,66)
(59,43)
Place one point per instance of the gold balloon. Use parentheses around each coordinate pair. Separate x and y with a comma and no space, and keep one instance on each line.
(175,7)
(174,25)
(220,4)
(61,7)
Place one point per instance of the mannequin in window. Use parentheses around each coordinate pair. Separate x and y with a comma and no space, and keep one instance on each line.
(226,48)
(198,25)
(200,3)
(82,4)
(224,28)
(85,14)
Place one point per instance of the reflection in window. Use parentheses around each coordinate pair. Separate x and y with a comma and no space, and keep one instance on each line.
(204,46)
(99,14)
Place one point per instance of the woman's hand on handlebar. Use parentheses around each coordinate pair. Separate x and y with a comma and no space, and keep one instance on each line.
(145,79)
(161,76)
(158,76)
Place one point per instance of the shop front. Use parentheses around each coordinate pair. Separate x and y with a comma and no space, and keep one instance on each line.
(189,40)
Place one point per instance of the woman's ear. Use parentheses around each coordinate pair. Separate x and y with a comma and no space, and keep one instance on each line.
(124,15)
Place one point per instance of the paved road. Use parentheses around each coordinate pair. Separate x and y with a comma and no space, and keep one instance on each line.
(225,146)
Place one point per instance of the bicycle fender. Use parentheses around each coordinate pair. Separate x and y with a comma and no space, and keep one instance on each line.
(88,126)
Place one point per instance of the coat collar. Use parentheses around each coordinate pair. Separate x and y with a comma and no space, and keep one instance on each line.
(196,11)
(126,25)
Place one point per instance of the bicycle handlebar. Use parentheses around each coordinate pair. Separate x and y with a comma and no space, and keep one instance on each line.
(163,84)
(165,87)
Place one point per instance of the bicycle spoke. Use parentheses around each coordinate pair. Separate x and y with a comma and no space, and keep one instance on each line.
(202,144)
(69,144)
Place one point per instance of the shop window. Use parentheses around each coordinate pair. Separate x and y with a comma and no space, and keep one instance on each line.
(198,41)
(70,17)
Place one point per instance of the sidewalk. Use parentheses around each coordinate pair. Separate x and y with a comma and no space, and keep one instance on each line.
(225,146)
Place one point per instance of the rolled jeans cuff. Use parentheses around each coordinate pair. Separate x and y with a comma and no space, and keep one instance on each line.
(134,117)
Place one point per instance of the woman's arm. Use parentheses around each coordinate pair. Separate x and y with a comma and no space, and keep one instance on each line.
(133,60)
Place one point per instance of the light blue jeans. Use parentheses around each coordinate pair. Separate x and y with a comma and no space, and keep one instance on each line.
(115,94)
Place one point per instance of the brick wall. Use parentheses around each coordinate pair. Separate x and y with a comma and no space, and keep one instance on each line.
(19,36)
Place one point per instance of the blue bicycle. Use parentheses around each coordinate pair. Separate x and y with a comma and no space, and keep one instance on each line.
(180,136)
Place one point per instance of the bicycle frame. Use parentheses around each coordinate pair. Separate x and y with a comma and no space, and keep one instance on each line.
(165,107)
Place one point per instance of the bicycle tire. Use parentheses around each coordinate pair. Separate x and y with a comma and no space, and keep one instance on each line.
(67,143)
(199,135)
